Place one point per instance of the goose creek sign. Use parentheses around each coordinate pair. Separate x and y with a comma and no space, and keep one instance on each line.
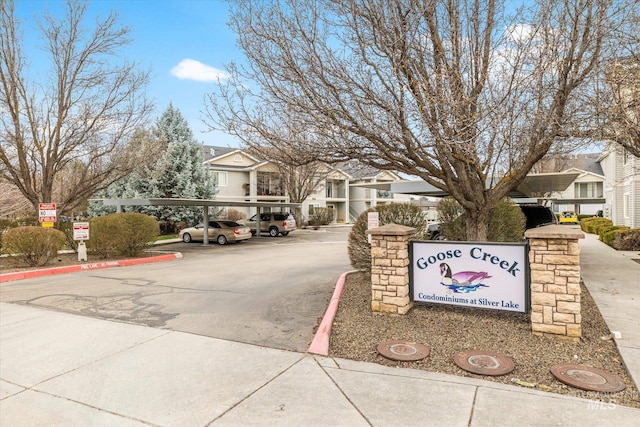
(471,274)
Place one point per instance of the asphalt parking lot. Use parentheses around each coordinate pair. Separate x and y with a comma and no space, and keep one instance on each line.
(265,291)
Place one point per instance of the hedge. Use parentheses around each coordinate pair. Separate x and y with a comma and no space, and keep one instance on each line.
(627,240)
(608,234)
(33,245)
(406,214)
(122,234)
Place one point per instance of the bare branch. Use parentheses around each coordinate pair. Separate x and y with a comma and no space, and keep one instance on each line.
(80,119)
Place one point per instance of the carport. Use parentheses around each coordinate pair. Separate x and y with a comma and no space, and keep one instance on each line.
(205,203)
(533,184)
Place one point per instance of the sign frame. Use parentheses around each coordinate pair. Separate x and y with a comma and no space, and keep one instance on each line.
(47,212)
(81,231)
(512,258)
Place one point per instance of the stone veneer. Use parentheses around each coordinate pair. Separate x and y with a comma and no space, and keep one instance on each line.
(390,268)
(554,260)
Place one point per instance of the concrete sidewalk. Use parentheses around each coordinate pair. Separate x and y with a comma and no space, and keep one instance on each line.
(68,370)
(59,369)
(613,280)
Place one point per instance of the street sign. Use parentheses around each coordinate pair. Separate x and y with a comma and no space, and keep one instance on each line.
(47,212)
(80,231)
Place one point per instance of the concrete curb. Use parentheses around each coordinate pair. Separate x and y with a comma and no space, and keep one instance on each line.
(320,343)
(19,275)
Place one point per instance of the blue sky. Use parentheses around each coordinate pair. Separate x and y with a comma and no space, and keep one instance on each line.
(184,43)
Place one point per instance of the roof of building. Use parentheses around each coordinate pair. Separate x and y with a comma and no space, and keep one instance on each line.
(212,151)
(357,170)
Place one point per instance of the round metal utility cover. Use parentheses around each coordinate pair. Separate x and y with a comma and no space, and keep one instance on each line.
(587,378)
(483,362)
(403,351)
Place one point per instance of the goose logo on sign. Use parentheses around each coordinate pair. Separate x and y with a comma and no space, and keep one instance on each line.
(470,274)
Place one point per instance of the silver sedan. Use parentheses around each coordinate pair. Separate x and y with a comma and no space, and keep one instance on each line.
(220,231)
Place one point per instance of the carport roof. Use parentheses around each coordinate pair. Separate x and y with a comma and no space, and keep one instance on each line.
(531,185)
(193,202)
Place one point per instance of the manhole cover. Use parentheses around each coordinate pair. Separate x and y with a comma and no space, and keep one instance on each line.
(484,362)
(403,351)
(587,378)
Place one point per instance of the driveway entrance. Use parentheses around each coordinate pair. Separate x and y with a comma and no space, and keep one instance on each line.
(265,291)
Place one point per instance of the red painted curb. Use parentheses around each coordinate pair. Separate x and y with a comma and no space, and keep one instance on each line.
(320,343)
(19,275)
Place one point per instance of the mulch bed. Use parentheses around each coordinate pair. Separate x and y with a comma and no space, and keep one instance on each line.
(447,330)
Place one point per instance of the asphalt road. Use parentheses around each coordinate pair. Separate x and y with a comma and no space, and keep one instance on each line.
(266,291)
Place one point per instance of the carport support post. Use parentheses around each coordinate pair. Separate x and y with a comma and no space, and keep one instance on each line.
(205,220)
(258,221)
(390,269)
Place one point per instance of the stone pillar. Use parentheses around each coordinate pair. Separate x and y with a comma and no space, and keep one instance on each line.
(554,259)
(390,269)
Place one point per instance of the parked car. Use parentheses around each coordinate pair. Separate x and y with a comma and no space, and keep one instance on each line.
(536,216)
(272,222)
(568,217)
(220,231)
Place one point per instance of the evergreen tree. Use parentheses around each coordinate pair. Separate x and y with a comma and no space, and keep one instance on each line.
(177,173)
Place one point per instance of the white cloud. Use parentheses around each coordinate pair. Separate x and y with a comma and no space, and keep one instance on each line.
(190,69)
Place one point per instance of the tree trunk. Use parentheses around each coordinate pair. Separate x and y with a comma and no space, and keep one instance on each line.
(477,225)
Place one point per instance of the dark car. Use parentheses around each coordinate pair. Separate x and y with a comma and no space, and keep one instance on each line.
(538,216)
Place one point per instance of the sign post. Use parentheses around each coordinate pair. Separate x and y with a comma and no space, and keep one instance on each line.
(372,222)
(81,232)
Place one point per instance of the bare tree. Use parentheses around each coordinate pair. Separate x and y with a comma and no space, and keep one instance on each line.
(80,117)
(276,137)
(453,91)
(299,178)
(623,109)
(12,202)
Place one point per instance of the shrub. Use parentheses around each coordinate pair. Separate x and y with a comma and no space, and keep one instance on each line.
(33,245)
(627,240)
(453,225)
(406,214)
(585,223)
(235,215)
(67,229)
(122,234)
(608,234)
(593,225)
(506,221)
(6,224)
(321,216)
(585,216)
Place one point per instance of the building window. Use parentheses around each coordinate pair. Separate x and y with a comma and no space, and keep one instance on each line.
(220,178)
(237,158)
(269,184)
(589,190)
(626,205)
